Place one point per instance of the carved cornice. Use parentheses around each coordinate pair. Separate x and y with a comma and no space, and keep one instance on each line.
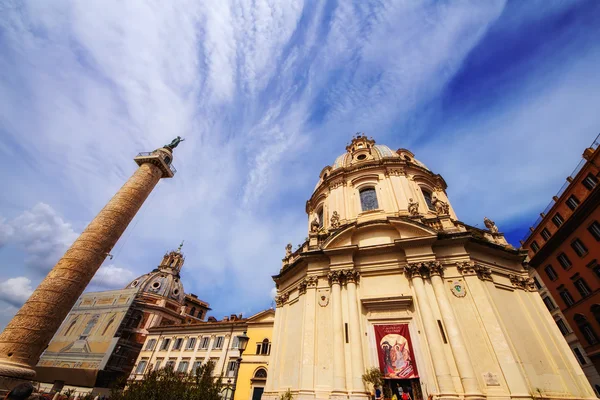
(336,184)
(522,282)
(395,172)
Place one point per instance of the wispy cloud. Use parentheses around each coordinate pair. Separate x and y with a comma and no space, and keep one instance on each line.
(266,93)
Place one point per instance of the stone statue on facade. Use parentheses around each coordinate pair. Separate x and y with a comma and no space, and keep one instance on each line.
(288,250)
(174,143)
(491,225)
(335,220)
(413,207)
(441,207)
(315,225)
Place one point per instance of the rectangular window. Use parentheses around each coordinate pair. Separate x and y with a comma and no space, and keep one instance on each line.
(567,298)
(558,220)
(195,366)
(548,302)
(218,342)
(562,326)
(170,363)
(579,356)
(158,364)
(165,344)
(546,234)
(177,344)
(191,343)
(141,366)
(564,261)
(183,366)
(231,368)
(535,246)
(151,344)
(579,248)
(594,229)
(537,283)
(205,342)
(368,199)
(235,342)
(582,287)
(590,181)
(346,331)
(551,272)
(442,331)
(572,202)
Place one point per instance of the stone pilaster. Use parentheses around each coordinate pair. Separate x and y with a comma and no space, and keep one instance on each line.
(339,369)
(358,387)
(307,373)
(29,332)
(417,272)
(457,344)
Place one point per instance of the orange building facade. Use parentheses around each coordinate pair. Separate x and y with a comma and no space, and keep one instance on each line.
(564,250)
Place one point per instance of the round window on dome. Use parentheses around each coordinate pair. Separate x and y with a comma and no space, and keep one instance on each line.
(175,292)
(361,157)
(134,283)
(156,285)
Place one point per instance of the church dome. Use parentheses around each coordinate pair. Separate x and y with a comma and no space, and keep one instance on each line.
(163,281)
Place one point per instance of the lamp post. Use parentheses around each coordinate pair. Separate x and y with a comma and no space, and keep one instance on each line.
(242,343)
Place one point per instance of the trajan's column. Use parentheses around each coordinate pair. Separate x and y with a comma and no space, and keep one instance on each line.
(29,332)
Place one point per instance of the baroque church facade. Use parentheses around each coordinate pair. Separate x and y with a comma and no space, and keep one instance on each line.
(390,278)
(100,339)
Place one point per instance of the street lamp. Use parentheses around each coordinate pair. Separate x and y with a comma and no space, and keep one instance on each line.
(242,343)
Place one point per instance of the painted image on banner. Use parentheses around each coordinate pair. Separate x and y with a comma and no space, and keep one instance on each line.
(395,353)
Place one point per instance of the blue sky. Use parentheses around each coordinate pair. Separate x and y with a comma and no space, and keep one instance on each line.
(498,97)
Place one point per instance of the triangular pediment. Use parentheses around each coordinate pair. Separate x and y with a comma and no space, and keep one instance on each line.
(266,316)
(379,232)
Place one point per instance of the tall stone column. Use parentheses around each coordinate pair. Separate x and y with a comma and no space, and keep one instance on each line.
(31,329)
(358,368)
(308,287)
(279,339)
(457,344)
(339,368)
(436,348)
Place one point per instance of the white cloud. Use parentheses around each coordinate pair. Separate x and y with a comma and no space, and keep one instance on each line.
(41,233)
(112,277)
(15,291)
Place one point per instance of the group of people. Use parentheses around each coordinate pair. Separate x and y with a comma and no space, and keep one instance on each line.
(399,393)
(24,391)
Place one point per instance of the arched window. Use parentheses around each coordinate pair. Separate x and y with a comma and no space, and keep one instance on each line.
(320,217)
(266,347)
(260,373)
(586,329)
(368,199)
(192,311)
(428,199)
(112,320)
(90,325)
(134,321)
(71,325)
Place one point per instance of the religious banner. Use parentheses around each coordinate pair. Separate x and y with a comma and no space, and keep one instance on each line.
(395,353)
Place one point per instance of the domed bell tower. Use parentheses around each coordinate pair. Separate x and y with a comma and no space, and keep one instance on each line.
(173,261)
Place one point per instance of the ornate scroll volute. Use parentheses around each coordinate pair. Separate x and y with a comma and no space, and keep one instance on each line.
(436,268)
(418,269)
(352,276)
(311,281)
(302,287)
(335,277)
(466,268)
(484,273)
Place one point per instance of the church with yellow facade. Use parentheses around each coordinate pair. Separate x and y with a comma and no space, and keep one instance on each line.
(390,278)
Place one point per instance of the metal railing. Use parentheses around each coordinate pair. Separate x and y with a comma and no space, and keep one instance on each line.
(562,190)
(149,153)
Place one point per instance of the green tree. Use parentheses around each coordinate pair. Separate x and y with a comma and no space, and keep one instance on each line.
(166,384)
(374,377)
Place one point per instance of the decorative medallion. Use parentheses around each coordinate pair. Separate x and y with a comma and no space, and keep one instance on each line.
(458,289)
(491,379)
(323,296)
